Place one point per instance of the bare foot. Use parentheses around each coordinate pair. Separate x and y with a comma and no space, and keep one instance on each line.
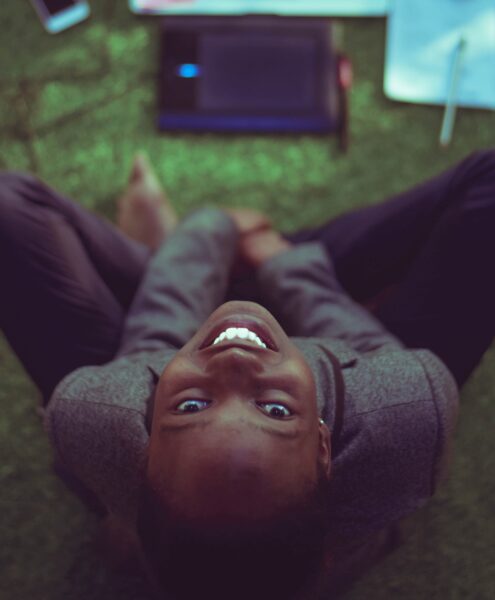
(144,211)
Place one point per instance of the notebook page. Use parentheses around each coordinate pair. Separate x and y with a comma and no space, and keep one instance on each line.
(281,7)
(422,38)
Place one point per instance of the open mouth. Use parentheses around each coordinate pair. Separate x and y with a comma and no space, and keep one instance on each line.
(239,333)
(240,330)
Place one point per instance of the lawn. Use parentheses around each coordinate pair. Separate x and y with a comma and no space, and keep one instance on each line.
(73,109)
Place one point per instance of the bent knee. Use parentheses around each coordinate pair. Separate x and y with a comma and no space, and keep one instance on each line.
(486,156)
(474,188)
(15,179)
(481,166)
(15,188)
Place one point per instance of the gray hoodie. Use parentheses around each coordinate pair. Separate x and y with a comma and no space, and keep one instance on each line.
(392,432)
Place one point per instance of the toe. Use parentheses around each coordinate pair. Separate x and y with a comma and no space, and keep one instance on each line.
(140,167)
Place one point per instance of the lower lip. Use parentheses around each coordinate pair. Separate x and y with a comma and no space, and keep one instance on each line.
(260,330)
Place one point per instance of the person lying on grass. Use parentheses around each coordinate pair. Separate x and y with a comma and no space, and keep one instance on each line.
(259,410)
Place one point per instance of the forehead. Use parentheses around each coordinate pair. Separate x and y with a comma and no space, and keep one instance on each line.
(205,446)
(202,425)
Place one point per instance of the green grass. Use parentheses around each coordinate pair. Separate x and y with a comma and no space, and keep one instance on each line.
(73,109)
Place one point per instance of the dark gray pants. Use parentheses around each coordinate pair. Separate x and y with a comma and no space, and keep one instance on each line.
(69,276)
(433,247)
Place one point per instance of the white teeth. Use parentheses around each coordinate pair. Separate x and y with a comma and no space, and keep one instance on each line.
(239,332)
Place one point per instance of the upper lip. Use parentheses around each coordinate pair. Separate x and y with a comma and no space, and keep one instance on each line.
(236,343)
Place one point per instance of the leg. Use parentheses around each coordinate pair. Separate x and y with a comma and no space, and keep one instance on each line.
(448,295)
(436,244)
(68,277)
(372,247)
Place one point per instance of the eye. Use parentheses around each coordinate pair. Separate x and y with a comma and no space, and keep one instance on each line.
(190,406)
(276,410)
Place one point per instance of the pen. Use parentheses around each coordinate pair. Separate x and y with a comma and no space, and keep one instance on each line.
(451,103)
(345,83)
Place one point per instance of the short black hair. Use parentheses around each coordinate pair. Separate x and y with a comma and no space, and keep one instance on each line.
(274,559)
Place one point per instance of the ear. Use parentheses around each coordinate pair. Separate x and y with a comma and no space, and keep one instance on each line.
(325,448)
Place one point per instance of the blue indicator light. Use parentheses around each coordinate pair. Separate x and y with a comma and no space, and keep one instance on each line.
(188,70)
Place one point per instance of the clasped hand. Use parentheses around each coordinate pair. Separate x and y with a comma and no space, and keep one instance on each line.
(258,240)
(147,216)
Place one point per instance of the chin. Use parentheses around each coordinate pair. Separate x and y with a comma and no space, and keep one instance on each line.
(236,305)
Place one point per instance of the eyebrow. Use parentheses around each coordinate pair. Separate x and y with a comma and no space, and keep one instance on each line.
(204,424)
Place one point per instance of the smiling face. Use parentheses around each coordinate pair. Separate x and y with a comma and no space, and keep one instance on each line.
(235,428)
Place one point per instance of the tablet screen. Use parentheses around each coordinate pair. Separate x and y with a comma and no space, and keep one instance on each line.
(247,73)
(259,72)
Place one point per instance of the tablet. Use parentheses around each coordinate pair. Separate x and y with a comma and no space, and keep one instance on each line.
(248,74)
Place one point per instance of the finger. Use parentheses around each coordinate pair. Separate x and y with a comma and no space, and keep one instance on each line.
(256,229)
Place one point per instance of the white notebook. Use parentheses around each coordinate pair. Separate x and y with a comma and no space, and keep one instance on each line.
(422,38)
(278,7)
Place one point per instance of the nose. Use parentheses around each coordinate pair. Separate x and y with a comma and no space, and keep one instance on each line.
(234,362)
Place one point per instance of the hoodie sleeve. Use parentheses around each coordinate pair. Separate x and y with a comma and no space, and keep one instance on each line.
(301,289)
(185,281)
(96,421)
